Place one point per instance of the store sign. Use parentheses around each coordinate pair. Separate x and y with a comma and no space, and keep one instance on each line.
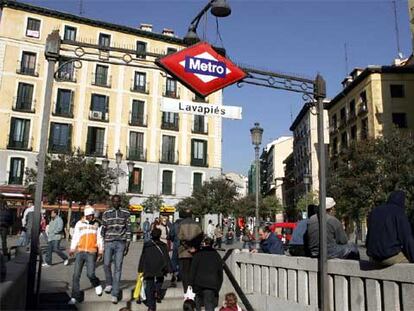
(201,68)
(203,109)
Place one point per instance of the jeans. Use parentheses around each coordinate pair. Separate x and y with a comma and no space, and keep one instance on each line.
(219,242)
(4,232)
(207,298)
(153,289)
(185,270)
(54,246)
(81,259)
(115,250)
(344,251)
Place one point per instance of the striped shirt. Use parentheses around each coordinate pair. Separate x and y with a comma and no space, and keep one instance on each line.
(116,225)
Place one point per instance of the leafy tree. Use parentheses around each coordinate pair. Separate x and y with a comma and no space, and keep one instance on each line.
(152,204)
(303,202)
(124,201)
(74,178)
(271,207)
(189,203)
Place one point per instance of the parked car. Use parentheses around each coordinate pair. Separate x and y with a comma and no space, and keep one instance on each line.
(283,230)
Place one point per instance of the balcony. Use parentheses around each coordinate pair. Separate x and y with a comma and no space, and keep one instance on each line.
(25,145)
(95,149)
(54,148)
(23,105)
(65,76)
(101,80)
(167,188)
(16,180)
(200,162)
(172,126)
(133,188)
(169,157)
(98,116)
(199,99)
(351,116)
(137,154)
(171,93)
(144,89)
(200,130)
(363,108)
(333,129)
(136,119)
(27,71)
(61,111)
(342,123)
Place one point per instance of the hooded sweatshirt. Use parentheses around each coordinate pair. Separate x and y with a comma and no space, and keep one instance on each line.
(389,231)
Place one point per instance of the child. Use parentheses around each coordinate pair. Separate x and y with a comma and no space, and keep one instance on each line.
(230,303)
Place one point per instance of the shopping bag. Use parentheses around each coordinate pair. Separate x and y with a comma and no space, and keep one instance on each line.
(138,286)
(142,295)
(189,294)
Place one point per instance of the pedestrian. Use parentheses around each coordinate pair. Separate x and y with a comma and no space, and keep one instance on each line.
(155,223)
(230,303)
(54,236)
(206,276)
(390,238)
(269,242)
(116,233)
(190,236)
(43,227)
(6,221)
(175,245)
(230,236)
(27,224)
(247,238)
(147,230)
(154,263)
(337,241)
(297,242)
(218,234)
(88,245)
(210,229)
(162,225)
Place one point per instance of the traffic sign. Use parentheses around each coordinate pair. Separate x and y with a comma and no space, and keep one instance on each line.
(201,68)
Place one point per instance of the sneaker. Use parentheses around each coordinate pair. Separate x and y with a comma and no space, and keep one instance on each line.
(108,289)
(66,262)
(72,301)
(98,290)
(45,265)
(114,300)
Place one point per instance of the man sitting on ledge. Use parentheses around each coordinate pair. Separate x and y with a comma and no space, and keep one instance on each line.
(269,242)
(337,241)
(390,238)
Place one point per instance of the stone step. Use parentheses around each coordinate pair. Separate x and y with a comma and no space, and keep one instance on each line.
(170,304)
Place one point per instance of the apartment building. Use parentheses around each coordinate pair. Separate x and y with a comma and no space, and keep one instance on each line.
(110,105)
(373,101)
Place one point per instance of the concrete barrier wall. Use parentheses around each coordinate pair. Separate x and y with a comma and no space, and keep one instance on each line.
(291,283)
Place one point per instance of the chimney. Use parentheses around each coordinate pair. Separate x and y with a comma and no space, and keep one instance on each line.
(168,32)
(347,81)
(146,27)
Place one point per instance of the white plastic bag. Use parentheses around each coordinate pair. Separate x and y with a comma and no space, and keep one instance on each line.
(142,295)
(189,294)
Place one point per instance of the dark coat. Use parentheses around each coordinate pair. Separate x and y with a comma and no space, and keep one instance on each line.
(272,245)
(206,270)
(154,261)
(389,231)
(6,218)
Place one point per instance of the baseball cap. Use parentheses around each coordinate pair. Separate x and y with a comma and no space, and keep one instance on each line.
(89,210)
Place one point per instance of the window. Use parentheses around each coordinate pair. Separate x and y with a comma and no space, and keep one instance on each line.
(397,90)
(344,140)
(197,181)
(334,121)
(170,121)
(70,33)
(137,113)
(99,107)
(168,149)
(171,88)
(136,146)
(28,64)
(24,97)
(335,146)
(66,71)
(353,132)
(364,128)
(400,120)
(343,114)
(199,125)
(167,182)
(64,103)
(19,133)
(198,152)
(352,108)
(95,141)
(135,181)
(140,82)
(104,40)
(33,28)
(101,76)
(16,172)
(171,51)
(141,49)
(199,98)
(60,137)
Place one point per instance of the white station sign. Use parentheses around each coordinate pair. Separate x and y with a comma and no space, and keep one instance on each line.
(203,109)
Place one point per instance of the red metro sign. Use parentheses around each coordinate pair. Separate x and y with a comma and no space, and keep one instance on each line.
(201,68)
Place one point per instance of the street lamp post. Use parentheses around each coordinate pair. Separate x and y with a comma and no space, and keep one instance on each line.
(256,134)
(306,181)
(118,160)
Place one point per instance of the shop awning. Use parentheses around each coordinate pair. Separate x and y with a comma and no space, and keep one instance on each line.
(136,208)
(13,195)
(167,209)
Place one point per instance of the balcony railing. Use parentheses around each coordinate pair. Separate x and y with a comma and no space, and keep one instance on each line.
(171,93)
(136,188)
(95,149)
(16,180)
(59,111)
(23,105)
(54,148)
(66,76)
(172,125)
(136,119)
(363,108)
(351,116)
(140,88)
(20,144)
(342,123)
(167,188)
(200,162)
(136,154)
(200,129)
(169,157)
(333,129)
(101,80)
(99,116)
(28,71)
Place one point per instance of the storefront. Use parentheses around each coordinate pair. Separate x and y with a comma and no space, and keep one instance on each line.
(136,218)
(169,212)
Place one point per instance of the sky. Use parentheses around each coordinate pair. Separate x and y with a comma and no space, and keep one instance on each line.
(290,36)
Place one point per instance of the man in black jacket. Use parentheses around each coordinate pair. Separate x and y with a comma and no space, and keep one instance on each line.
(206,276)
(155,264)
(390,238)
